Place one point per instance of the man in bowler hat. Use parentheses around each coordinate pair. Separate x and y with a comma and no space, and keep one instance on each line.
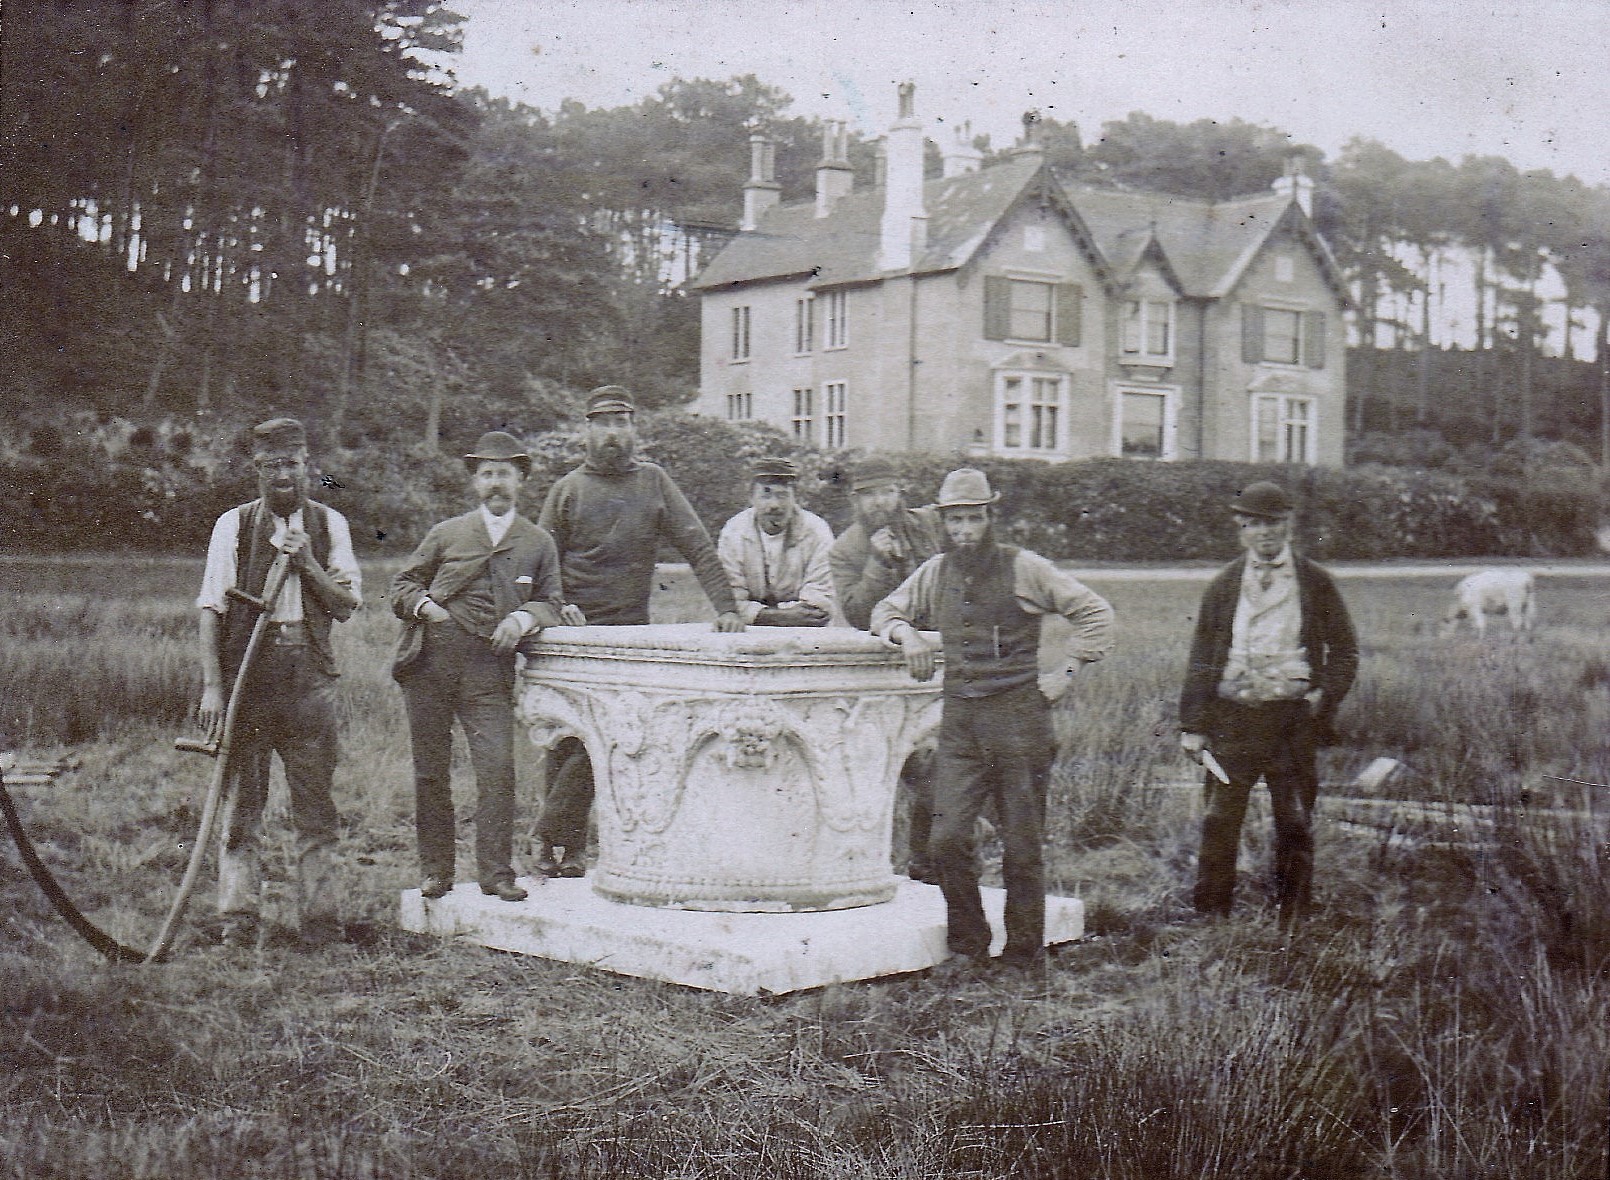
(1273,655)
(988,601)
(476,587)
(288,701)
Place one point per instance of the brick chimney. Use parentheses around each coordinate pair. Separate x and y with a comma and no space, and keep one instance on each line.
(961,156)
(903,235)
(1296,184)
(761,190)
(833,175)
(1030,144)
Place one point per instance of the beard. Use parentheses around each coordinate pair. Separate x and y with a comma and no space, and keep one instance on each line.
(282,501)
(973,553)
(607,455)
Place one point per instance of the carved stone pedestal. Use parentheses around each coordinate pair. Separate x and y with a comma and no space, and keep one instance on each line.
(753,772)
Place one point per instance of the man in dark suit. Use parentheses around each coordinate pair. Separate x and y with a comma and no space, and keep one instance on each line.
(1273,655)
(477,586)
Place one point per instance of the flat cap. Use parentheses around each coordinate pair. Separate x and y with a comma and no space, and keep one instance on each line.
(610,399)
(966,487)
(1264,498)
(774,469)
(278,434)
(502,447)
(872,472)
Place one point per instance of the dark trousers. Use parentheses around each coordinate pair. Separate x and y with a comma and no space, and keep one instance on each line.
(997,748)
(917,777)
(459,675)
(569,798)
(1274,742)
(289,709)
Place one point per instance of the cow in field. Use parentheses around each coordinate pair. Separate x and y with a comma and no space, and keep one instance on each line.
(1511,592)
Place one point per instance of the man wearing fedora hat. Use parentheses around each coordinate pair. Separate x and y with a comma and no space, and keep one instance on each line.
(988,602)
(1273,655)
(610,517)
(883,546)
(477,586)
(775,553)
(288,702)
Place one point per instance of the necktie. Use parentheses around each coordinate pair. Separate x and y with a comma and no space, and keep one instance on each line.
(1266,573)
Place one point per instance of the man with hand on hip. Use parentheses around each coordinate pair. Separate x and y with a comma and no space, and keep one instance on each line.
(476,587)
(1273,655)
(989,601)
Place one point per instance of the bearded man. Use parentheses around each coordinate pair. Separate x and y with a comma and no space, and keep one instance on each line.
(288,699)
(610,517)
(988,601)
(775,553)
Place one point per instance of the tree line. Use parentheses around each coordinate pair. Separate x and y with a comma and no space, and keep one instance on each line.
(209,211)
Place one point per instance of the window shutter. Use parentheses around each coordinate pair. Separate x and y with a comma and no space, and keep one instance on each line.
(1251,333)
(997,307)
(1314,339)
(1070,314)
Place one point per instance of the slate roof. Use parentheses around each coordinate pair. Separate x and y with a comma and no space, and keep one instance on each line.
(1208,245)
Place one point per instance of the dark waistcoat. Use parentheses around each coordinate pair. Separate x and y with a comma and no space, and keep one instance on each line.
(254,553)
(991,643)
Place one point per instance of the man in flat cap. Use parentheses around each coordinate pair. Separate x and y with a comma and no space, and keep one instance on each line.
(476,587)
(1273,655)
(288,700)
(610,517)
(883,546)
(775,553)
(988,602)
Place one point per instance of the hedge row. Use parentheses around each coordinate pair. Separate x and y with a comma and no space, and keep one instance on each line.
(84,497)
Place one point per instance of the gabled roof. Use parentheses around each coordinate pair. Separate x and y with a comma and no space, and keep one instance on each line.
(1205,246)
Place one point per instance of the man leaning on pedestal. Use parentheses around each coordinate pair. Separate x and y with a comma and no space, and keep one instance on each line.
(476,587)
(775,553)
(610,517)
(288,702)
(1273,655)
(883,546)
(988,601)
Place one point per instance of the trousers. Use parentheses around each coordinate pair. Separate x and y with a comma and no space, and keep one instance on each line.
(1274,742)
(289,709)
(458,675)
(917,777)
(993,749)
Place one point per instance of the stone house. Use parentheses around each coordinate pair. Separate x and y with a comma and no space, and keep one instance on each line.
(1002,311)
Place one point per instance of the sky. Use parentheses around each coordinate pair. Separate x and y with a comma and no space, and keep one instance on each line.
(1425,77)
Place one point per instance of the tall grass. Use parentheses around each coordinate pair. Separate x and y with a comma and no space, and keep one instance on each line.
(1446,1013)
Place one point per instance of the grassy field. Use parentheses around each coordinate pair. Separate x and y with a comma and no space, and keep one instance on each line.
(1445,1014)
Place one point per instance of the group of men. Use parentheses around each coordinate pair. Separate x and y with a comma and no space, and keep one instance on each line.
(1272,658)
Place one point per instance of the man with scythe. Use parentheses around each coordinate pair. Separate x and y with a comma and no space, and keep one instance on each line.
(288,699)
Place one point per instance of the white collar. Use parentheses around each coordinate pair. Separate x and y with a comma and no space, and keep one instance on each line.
(497,525)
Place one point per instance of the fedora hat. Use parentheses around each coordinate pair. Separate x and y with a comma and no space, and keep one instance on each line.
(501,446)
(1264,498)
(966,487)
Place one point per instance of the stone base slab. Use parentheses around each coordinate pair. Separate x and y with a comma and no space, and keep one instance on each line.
(741,954)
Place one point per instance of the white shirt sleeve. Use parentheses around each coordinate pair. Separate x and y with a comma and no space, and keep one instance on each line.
(219,574)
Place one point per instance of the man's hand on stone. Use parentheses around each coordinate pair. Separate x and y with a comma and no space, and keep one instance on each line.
(1192,745)
(918,651)
(729,622)
(572,615)
(433,612)
(793,614)
(508,635)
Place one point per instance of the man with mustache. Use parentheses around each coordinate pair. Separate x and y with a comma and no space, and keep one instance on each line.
(288,703)
(1273,655)
(476,587)
(988,601)
(775,553)
(883,546)
(609,518)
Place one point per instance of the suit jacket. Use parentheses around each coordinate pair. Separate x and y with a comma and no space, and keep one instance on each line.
(1326,631)
(523,566)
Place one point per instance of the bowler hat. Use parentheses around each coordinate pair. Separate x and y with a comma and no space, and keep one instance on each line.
(966,487)
(278,434)
(1264,498)
(501,446)
(774,469)
(609,399)
(872,472)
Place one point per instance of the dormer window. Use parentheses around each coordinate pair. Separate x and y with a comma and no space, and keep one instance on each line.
(1148,334)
